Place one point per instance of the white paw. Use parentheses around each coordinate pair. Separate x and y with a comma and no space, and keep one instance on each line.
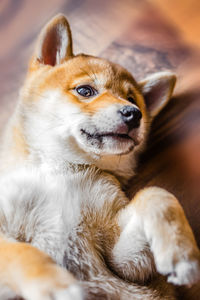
(178,269)
(185,273)
(73,292)
(57,284)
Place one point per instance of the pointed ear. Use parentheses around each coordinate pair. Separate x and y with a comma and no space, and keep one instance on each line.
(157,90)
(54,44)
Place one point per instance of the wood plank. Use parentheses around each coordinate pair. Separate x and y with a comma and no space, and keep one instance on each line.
(184,15)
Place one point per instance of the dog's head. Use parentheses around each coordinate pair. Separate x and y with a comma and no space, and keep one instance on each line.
(84,109)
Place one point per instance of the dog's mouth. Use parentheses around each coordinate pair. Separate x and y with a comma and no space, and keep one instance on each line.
(113,135)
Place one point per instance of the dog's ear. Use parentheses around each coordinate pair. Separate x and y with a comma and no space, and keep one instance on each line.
(157,90)
(54,44)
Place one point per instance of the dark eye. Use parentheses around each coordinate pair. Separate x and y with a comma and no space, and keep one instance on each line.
(131,99)
(86,91)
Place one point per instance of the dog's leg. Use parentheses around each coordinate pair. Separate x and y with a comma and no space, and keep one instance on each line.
(154,222)
(33,275)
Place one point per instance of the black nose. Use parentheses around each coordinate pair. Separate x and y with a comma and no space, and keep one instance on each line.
(131,116)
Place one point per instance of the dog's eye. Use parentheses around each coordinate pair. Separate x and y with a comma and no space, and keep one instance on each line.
(131,99)
(86,91)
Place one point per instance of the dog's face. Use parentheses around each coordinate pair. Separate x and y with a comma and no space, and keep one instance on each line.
(86,105)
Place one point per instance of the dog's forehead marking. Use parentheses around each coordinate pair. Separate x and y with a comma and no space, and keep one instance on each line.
(79,69)
(101,71)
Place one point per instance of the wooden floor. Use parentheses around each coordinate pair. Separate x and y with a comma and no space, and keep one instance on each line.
(144,36)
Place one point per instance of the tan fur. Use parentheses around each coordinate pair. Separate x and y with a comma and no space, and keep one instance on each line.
(20,145)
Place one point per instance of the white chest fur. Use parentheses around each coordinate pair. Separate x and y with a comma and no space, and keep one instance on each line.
(45,209)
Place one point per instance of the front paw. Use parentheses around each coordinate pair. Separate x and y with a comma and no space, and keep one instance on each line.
(57,284)
(73,292)
(33,275)
(180,267)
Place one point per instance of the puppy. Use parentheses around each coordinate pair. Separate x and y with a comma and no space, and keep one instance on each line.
(67,229)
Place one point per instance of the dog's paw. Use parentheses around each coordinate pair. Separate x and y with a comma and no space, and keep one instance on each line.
(73,292)
(59,285)
(33,275)
(185,273)
(179,268)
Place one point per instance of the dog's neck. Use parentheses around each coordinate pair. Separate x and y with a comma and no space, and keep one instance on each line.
(122,167)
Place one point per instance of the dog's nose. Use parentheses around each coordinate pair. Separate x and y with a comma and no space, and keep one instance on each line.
(131,116)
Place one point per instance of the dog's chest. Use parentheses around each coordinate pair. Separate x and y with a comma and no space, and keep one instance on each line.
(51,212)
(38,209)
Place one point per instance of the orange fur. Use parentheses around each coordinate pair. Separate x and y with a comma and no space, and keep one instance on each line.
(23,261)
(20,145)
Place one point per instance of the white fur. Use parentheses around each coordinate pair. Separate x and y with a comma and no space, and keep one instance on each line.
(61,53)
(50,204)
(55,136)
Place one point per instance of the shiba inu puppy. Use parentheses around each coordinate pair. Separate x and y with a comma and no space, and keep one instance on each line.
(67,229)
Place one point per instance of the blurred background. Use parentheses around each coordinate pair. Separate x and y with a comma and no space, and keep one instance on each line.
(144,36)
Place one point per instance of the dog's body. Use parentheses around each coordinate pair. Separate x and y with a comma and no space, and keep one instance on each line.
(76,133)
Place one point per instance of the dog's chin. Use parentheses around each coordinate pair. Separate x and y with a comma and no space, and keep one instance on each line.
(107,143)
(117,144)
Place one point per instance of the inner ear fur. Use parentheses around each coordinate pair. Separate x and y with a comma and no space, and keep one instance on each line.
(157,90)
(54,44)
